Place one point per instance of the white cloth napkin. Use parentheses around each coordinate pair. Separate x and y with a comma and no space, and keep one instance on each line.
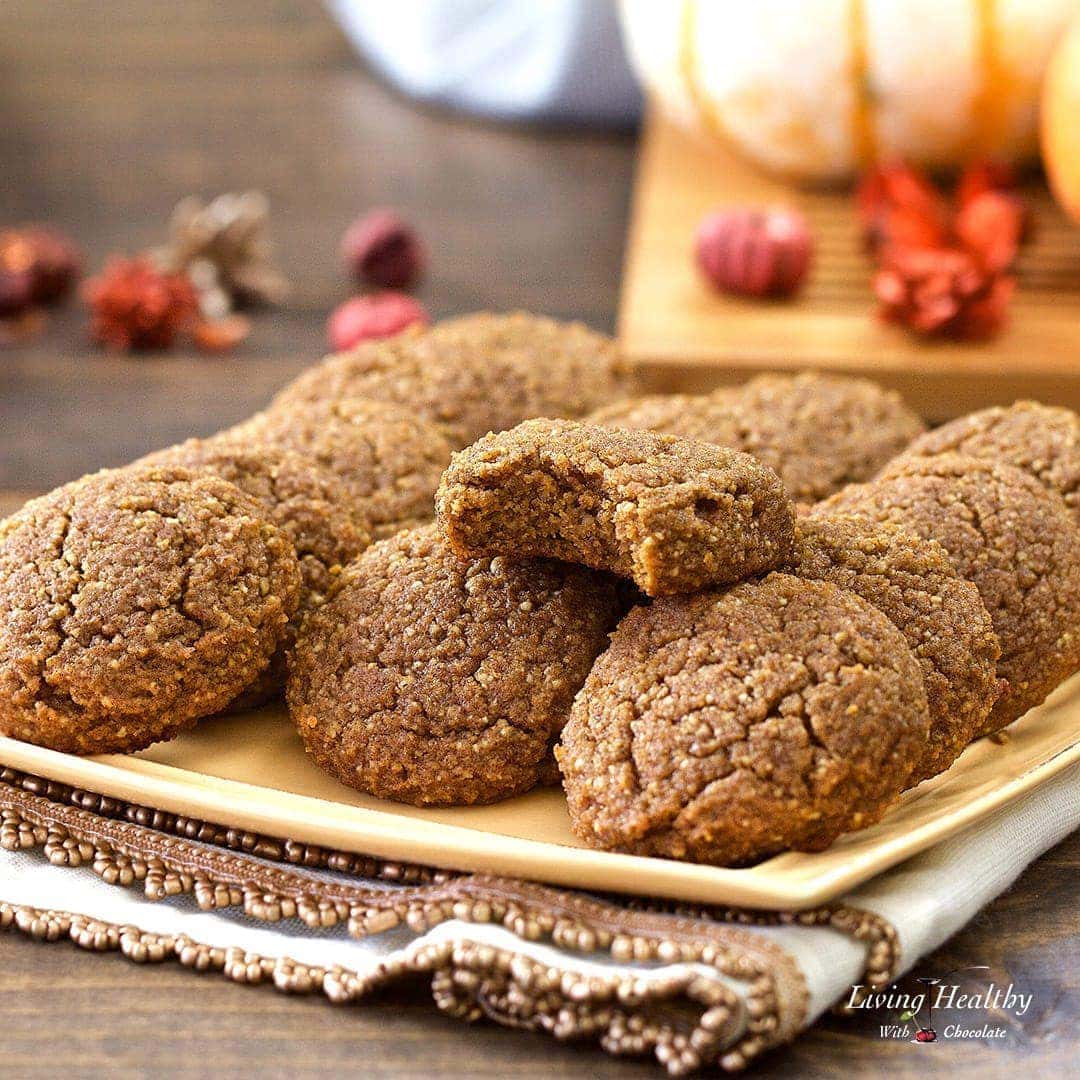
(926,899)
(561,60)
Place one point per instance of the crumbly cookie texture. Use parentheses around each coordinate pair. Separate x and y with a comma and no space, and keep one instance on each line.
(1009,536)
(1043,440)
(133,602)
(819,432)
(947,627)
(673,515)
(388,458)
(308,502)
(304,499)
(436,681)
(711,418)
(476,373)
(729,725)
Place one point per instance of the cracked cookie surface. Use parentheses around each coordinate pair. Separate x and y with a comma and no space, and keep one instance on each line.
(474,373)
(711,418)
(436,681)
(389,459)
(1043,440)
(302,498)
(942,617)
(818,432)
(1009,536)
(730,725)
(133,602)
(673,515)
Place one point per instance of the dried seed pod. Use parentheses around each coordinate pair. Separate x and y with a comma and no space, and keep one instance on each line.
(382,250)
(755,252)
(378,316)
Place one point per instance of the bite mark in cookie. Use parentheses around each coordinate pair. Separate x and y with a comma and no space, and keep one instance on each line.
(673,515)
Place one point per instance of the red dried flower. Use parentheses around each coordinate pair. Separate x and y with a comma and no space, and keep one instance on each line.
(382,250)
(135,307)
(377,316)
(898,204)
(755,252)
(990,226)
(943,291)
(50,258)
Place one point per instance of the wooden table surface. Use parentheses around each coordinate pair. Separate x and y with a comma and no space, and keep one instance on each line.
(108,115)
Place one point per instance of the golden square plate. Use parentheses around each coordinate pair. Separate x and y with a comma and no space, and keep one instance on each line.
(250,771)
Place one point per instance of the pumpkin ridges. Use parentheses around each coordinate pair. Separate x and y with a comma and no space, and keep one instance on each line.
(863,131)
(1060,133)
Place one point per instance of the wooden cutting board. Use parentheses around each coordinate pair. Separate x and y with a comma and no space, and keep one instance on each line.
(685,336)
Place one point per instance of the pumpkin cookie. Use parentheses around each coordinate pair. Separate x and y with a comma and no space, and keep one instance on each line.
(711,418)
(819,432)
(133,602)
(474,374)
(730,725)
(672,514)
(1011,538)
(303,499)
(946,624)
(434,681)
(1043,440)
(388,459)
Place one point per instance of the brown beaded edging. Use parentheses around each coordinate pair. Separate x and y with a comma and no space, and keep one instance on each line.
(170,854)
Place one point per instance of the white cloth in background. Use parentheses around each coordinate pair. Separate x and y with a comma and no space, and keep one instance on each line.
(927,899)
(559,61)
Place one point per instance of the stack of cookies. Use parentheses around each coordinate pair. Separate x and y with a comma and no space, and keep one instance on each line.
(732,624)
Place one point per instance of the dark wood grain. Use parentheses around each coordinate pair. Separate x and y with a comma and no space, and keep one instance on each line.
(109,113)
(106,122)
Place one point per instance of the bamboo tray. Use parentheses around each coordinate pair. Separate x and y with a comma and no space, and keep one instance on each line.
(250,771)
(684,336)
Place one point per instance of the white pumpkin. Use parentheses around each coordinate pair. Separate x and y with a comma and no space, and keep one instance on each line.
(815,89)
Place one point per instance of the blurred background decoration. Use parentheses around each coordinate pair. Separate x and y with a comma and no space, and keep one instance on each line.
(559,61)
(817,89)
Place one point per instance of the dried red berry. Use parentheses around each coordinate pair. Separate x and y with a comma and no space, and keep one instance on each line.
(942,291)
(382,250)
(377,316)
(134,306)
(898,204)
(755,252)
(51,258)
(16,292)
(990,226)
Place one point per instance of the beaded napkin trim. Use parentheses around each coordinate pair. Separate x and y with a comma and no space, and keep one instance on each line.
(170,854)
